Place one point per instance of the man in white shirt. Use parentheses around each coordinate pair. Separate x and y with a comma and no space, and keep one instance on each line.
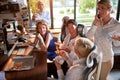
(42,14)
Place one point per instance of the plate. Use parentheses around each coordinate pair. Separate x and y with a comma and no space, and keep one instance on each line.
(21,63)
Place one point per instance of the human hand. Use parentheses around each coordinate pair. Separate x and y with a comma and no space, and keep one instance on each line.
(63,54)
(59,59)
(116,37)
(35,16)
(98,20)
(39,36)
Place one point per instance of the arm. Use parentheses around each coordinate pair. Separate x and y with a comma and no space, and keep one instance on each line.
(65,43)
(116,37)
(32,22)
(91,32)
(44,45)
(96,23)
(59,71)
(65,56)
(45,16)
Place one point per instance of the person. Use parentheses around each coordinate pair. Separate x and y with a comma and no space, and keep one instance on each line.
(68,42)
(83,48)
(104,27)
(21,29)
(64,30)
(42,14)
(2,75)
(44,40)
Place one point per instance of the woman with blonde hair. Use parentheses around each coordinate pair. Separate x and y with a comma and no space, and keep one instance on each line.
(102,33)
(82,48)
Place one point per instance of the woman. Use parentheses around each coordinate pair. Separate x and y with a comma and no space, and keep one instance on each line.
(83,47)
(101,32)
(44,40)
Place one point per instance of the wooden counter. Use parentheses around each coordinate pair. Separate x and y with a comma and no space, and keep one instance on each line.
(39,72)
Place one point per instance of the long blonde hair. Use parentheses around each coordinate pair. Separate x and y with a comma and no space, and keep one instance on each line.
(107,3)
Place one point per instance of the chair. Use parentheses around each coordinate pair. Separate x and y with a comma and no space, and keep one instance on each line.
(93,63)
(81,30)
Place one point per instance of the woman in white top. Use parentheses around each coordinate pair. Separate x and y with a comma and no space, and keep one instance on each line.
(83,47)
(102,32)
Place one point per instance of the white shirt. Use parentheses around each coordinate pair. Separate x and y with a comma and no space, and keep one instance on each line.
(45,16)
(69,43)
(103,38)
(75,72)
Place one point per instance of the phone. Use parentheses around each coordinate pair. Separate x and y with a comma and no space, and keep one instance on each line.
(99,16)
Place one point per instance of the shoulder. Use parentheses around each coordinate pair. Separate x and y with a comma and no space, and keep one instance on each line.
(48,34)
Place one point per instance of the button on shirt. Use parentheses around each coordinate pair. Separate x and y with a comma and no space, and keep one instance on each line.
(103,37)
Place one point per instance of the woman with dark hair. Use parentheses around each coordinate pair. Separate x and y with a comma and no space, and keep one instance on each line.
(68,42)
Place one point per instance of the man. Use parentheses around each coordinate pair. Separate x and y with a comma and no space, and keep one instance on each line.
(42,14)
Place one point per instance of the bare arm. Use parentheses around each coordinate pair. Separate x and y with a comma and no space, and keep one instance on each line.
(44,45)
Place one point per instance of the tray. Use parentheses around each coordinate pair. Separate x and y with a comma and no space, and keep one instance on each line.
(21,63)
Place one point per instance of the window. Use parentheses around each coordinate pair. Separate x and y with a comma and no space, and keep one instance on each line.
(62,8)
(114,7)
(85,11)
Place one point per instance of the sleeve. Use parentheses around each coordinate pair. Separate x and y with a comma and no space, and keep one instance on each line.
(116,31)
(47,17)
(65,42)
(60,74)
(2,76)
(116,43)
(91,32)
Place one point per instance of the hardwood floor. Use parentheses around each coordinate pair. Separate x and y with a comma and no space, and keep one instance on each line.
(114,75)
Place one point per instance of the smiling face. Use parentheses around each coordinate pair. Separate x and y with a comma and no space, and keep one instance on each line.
(40,6)
(42,29)
(72,29)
